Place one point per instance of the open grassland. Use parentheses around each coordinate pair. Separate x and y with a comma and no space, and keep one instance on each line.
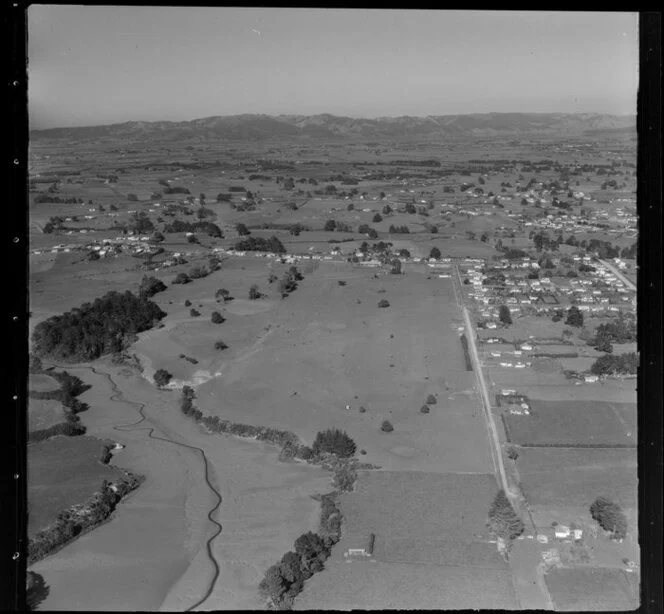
(61,472)
(417,505)
(42,382)
(574,424)
(44,413)
(326,346)
(375,586)
(596,589)
(610,391)
(551,477)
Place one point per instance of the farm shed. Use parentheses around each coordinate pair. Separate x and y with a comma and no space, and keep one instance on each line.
(365,548)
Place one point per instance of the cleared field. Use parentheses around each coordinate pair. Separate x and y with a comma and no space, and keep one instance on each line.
(42,383)
(61,472)
(610,391)
(552,477)
(375,586)
(596,589)
(297,363)
(419,506)
(592,423)
(44,413)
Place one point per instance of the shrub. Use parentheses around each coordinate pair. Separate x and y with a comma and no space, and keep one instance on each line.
(334,441)
(181,278)
(512,453)
(220,345)
(425,409)
(431,399)
(341,282)
(362,409)
(609,516)
(194,313)
(383,303)
(242,230)
(150,286)
(132,198)
(254,293)
(386,426)
(187,303)
(217,318)
(223,293)
(162,377)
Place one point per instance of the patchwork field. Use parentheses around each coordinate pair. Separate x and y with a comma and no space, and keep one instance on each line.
(552,477)
(432,549)
(42,383)
(44,413)
(595,589)
(61,472)
(575,424)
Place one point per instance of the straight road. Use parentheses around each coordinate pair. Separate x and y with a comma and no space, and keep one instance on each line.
(484,393)
(619,275)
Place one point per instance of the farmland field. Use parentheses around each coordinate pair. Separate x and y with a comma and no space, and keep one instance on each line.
(597,589)
(552,477)
(44,413)
(42,383)
(61,472)
(589,423)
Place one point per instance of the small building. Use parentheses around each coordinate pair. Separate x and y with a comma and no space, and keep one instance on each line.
(562,532)
(365,549)
(590,379)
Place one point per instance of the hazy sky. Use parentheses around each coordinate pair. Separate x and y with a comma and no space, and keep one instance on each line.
(100,65)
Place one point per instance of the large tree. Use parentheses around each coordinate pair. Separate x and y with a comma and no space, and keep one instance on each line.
(609,516)
(504,315)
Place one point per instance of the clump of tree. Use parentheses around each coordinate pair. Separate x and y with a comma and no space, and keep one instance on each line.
(219,345)
(396,267)
(609,516)
(259,244)
(254,293)
(383,303)
(36,590)
(203,227)
(425,409)
(432,400)
(224,294)
(194,313)
(162,377)
(150,286)
(386,426)
(181,278)
(504,522)
(242,229)
(622,364)
(334,441)
(217,318)
(105,326)
(403,229)
(504,315)
(435,253)
(574,317)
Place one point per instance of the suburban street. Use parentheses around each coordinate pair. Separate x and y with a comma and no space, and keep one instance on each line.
(619,275)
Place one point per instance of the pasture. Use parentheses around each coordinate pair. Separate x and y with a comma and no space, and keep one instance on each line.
(40,382)
(597,589)
(554,477)
(296,363)
(44,413)
(63,471)
(575,424)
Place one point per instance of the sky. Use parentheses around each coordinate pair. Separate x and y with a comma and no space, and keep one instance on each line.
(102,64)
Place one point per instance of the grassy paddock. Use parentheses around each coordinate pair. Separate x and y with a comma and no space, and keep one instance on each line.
(590,423)
(63,471)
(598,589)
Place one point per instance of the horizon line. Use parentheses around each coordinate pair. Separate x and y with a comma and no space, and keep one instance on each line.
(373,117)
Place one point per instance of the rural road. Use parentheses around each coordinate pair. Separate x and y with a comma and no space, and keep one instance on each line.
(486,402)
(619,275)
(118,397)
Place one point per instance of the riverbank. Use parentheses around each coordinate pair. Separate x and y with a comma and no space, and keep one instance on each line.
(152,555)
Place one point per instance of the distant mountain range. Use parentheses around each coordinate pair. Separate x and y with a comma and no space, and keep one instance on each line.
(325,126)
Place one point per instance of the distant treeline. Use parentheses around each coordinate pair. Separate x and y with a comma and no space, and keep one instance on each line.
(105,326)
(206,227)
(258,244)
(47,198)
